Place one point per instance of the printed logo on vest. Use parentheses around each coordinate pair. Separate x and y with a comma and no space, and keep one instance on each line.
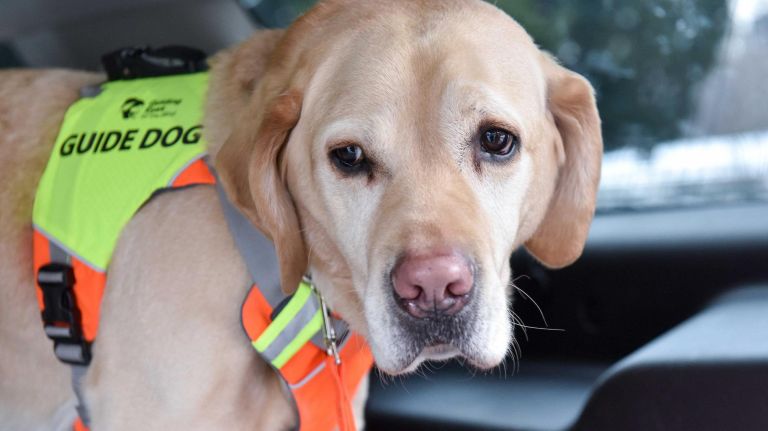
(131,107)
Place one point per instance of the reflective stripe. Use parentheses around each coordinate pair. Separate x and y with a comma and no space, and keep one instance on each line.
(293,327)
(297,322)
(308,377)
(302,295)
(303,336)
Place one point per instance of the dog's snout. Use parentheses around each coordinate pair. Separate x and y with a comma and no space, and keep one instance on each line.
(432,283)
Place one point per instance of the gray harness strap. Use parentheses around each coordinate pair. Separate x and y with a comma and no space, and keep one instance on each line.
(260,258)
(257,251)
(78,376)
(67,353)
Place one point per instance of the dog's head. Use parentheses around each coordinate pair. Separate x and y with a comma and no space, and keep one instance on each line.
(401,151)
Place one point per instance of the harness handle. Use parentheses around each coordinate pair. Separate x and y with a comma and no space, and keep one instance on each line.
(145,62)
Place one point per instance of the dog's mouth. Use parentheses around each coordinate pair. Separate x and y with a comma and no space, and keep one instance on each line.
(466,323)
(439,352)
(435,337)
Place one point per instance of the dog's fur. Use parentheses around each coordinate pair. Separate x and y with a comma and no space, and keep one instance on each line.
(410,82)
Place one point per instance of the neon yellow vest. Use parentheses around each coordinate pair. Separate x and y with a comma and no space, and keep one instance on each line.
(112,152)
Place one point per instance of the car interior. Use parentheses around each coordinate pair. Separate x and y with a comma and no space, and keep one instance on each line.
(662,324)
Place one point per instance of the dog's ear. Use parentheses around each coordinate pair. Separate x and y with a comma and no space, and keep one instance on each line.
(252,172)
(559,239)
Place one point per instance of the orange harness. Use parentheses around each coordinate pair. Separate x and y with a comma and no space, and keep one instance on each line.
(69,293)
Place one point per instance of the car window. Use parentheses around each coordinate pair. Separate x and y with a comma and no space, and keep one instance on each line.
(680,87)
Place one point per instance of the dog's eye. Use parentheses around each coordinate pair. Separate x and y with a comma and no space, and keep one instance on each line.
(498,142)
(349,159)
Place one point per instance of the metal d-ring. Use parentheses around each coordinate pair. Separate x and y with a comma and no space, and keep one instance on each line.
(329,332)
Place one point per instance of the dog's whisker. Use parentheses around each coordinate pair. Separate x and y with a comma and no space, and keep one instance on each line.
(517,321)
(518,356)
(541,329)
(526,295)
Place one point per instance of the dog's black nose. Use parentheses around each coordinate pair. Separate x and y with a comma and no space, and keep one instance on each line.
(435,282)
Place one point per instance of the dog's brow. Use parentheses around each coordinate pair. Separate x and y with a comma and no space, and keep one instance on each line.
(484,104)
(345,130)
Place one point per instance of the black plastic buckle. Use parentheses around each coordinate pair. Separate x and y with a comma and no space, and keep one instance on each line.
(144,62)
(61,317)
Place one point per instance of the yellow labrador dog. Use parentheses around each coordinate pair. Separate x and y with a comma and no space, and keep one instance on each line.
(399,150)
